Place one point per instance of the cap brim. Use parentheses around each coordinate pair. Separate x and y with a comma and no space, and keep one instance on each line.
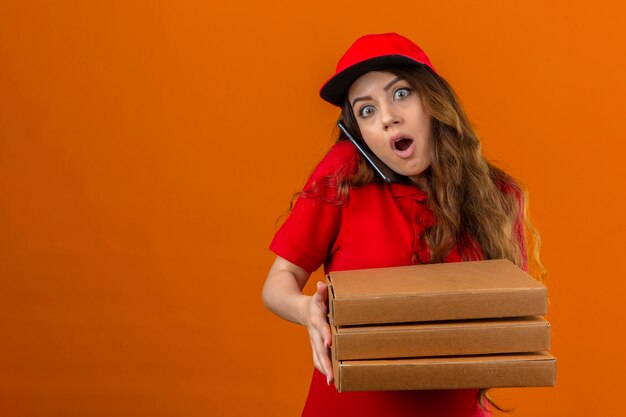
(336,88)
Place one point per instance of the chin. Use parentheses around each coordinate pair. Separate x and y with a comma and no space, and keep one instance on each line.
(415,172)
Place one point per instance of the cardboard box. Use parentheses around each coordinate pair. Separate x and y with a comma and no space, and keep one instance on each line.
(449,291)
(468,337)
(508,370)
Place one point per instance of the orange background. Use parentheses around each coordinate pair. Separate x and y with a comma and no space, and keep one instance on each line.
(147,150)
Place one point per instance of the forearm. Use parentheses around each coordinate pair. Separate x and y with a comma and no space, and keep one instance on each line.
(282,292)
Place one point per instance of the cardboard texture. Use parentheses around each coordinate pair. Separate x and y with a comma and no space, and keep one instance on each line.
(449,291)
(509,370)
(474,337)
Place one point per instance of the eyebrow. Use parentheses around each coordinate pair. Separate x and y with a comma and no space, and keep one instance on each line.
(386,87)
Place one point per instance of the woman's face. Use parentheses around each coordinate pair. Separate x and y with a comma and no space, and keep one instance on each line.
(393,122)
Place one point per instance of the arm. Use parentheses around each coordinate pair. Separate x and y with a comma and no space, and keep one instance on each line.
(282,294)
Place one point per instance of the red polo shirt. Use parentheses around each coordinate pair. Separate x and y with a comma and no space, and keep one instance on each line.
(379,225)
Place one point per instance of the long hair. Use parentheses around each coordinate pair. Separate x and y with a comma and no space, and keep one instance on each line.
(474,202)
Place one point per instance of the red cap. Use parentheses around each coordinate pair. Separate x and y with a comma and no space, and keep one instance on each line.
(370,53)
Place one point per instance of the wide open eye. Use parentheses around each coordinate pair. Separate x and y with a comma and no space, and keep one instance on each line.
(366,111)
(401,93)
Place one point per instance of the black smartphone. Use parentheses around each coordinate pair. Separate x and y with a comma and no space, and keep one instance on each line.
(386,173)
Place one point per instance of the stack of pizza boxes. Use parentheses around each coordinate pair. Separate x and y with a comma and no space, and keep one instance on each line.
(440,326)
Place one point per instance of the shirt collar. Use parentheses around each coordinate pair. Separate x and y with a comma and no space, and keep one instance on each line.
(407,190)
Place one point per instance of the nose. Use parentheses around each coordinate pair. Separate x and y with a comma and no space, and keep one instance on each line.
(389,117)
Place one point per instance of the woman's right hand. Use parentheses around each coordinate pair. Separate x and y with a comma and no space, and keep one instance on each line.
(315,318)
(282,294)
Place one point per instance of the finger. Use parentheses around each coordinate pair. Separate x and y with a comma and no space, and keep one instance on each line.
(321,354)
(319,324)
(320,298)
(324,356)
(317,358)
(317,363)
(327,335)
(322,290)
(328,366)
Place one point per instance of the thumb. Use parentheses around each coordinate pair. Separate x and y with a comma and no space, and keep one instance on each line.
(322,291)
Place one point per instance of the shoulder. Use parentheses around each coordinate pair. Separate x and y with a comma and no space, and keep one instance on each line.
(341,158)
(340,162)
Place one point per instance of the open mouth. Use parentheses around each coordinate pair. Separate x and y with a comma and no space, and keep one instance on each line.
(402,144)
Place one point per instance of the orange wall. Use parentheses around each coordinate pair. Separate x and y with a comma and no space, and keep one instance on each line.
(147,150)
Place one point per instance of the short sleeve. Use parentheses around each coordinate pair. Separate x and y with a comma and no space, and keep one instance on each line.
(309,234)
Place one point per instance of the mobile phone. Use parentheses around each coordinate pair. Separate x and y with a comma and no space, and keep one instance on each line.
(386,173)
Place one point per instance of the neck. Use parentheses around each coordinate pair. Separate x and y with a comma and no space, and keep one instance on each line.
(420,181)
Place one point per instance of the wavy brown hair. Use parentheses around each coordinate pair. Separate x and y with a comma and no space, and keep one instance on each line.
(473,200)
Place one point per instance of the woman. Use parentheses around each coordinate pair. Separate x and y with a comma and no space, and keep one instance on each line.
(450,205)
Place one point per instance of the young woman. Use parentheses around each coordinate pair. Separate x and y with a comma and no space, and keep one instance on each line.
(449,205)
